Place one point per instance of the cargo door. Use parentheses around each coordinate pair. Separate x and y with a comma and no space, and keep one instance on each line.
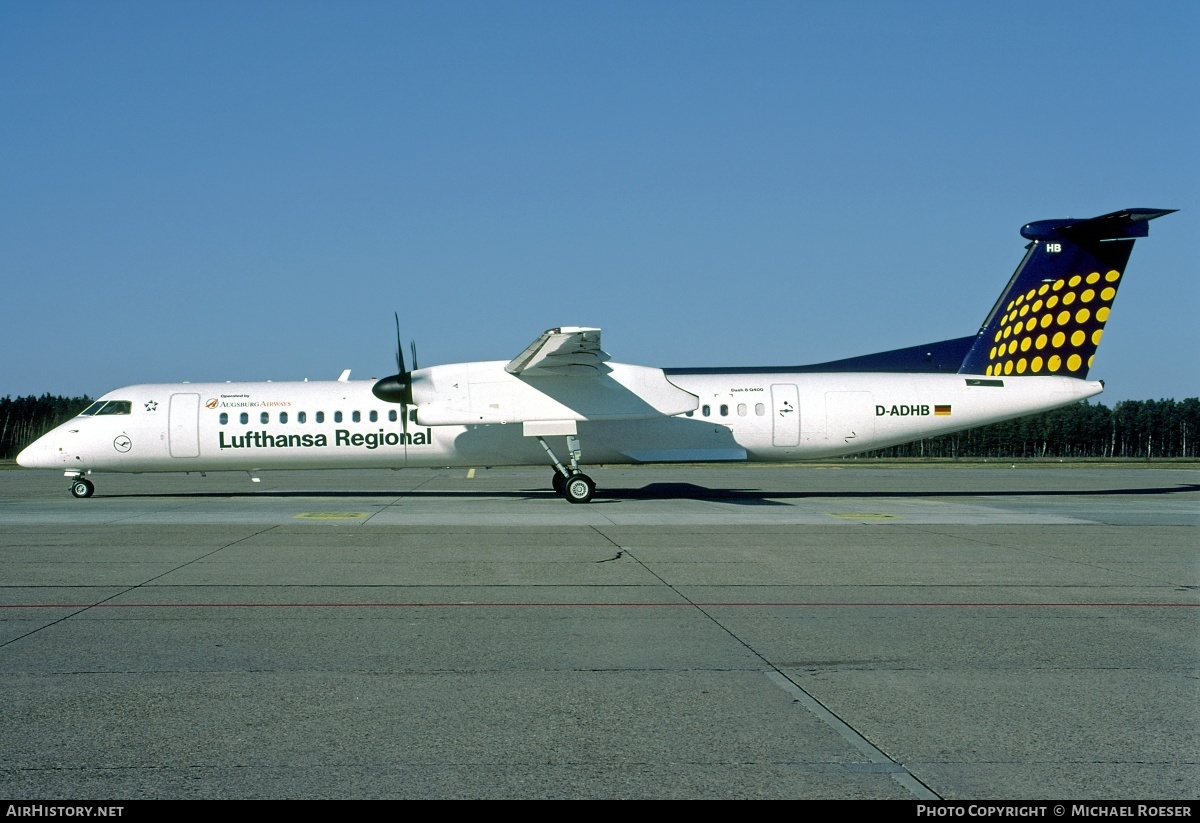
(850,418)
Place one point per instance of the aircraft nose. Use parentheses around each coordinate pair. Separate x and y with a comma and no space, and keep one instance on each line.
(38,454)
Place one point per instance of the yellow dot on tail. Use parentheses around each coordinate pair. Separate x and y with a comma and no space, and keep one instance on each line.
(1068,298)
(1074,362)
(1108,294)
(1059,339)
(1036,365)
(1040,343)
(1075,281)
(1102,314)
(1082,316)
(1096,335)
(1077,338)
(1093,277)
(1054,362)
(1112,276)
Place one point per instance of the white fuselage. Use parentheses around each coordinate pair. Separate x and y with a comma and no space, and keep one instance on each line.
(734,416)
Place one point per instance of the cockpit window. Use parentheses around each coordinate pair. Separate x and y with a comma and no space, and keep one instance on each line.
(92,409)
(110,407)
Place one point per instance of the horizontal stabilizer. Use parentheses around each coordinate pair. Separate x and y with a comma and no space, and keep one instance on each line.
(1113,226)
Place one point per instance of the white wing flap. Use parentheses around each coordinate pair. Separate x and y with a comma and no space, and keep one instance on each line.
(563,351)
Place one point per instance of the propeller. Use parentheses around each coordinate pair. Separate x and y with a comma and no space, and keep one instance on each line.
(398,387)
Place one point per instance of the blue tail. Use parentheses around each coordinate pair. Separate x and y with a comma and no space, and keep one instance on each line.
(1050,318)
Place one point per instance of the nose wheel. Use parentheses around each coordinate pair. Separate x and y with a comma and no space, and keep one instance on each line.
(82,487)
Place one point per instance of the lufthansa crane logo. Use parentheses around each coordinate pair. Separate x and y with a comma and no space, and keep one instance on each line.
(122,443)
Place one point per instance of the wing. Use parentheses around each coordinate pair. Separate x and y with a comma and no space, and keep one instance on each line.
(562,352)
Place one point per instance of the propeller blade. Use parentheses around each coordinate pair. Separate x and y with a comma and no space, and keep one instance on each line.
(413,343)
(399,348)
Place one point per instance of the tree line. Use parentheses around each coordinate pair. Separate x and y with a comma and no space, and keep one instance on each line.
(1131,428)
(25,419)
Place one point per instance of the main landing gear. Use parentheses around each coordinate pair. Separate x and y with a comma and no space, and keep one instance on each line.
(82,487)
(571,483)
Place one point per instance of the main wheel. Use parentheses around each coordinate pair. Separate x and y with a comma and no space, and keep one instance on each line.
(82,487)
(559,483)
(579,488)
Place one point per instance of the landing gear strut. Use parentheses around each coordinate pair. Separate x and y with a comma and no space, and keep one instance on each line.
(82,487)
(571,483)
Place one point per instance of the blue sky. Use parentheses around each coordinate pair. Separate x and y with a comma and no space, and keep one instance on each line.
(247,191)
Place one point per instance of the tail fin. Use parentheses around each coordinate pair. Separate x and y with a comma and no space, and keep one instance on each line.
(1050,318)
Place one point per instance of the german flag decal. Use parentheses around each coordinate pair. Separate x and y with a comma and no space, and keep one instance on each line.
(941,410)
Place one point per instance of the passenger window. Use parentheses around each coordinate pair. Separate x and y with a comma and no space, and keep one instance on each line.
(283,417)
(356,417)
(705,410)
(374,416)
(264,418)
(392,415)
(689,414)
(741,409)
(760,409)
(224,418)
(337,417)
(301,417)
(320,417)
(245,418)
(724,410)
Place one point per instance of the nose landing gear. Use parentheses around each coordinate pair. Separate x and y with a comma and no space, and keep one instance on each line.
(82,487)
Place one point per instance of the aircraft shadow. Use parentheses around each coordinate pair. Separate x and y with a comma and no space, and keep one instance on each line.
(680,491)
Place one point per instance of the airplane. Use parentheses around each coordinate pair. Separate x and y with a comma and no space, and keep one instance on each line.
(1031,354)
